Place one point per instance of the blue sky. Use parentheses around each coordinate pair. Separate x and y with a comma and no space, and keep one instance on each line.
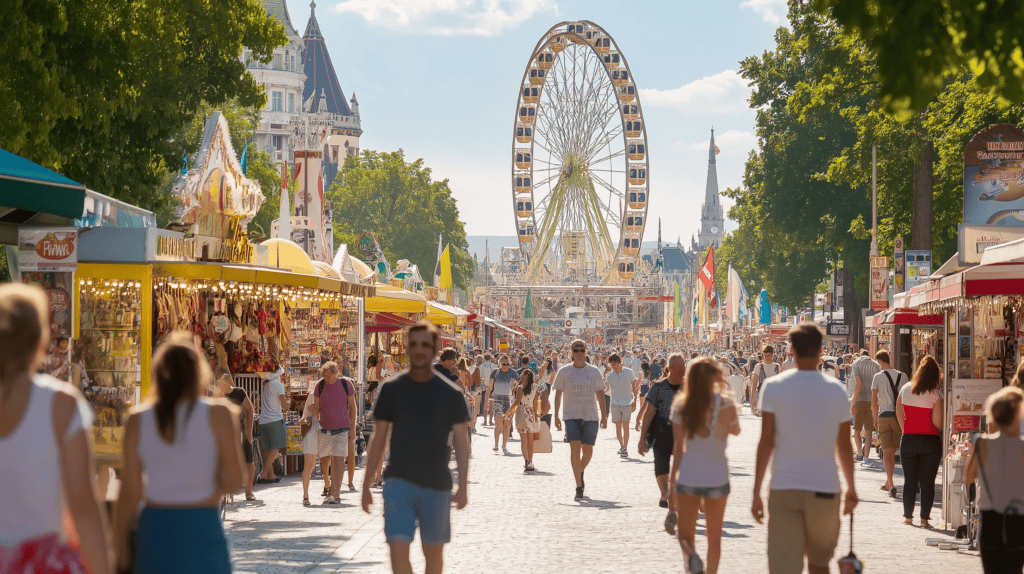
(439,78)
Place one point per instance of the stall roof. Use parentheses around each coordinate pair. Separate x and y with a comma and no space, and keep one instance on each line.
(386,323)
(977,281)
(1010,252)
(903,316)
(396,300)
(30,188)
(494,323)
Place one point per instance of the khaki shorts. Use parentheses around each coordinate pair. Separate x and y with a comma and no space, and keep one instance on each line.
(801,522)
(865,418)
(621,413)
(889,431)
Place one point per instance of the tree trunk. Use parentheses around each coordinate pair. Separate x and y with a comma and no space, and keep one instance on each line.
(921,216)
(852,303)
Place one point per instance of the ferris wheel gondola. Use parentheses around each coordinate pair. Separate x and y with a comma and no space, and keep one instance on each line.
(580,181)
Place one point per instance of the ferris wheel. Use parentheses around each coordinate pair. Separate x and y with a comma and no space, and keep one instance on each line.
(580,166)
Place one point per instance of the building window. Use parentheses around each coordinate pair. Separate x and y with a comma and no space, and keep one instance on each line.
(291,103)
(277,104)
(276,141)
(277,61)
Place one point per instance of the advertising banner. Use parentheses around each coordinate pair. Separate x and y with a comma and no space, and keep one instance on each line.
(897,261)
(879,283)
(994,177)
(975,239)
(968,403)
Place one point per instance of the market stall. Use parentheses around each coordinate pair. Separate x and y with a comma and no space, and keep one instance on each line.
(982,330)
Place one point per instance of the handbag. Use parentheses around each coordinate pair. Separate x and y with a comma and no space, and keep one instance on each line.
(850,564)
(304,426)
(543,444)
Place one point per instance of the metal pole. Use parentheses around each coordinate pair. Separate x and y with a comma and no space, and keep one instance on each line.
(874,200)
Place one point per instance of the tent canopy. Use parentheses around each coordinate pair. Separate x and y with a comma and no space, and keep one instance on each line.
(30,187)
(395,300)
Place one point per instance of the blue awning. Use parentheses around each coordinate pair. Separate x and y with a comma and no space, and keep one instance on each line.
(31,187)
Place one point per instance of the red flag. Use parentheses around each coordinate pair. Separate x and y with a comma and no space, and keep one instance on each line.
(707,270)
(284,176)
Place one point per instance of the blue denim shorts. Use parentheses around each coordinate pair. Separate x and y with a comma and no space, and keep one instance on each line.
(407,504)
(581,430)
(704,491)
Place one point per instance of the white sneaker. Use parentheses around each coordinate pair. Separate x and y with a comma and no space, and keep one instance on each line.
(504,451)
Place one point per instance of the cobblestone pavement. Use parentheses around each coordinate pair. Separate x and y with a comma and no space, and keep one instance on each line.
(516,521)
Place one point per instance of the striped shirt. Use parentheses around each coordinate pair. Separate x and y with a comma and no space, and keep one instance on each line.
(866,369)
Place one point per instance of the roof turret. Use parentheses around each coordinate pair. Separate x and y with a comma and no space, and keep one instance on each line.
(320,75)
(279,10)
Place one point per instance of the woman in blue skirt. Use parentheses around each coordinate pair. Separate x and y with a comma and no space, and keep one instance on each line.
(186,446)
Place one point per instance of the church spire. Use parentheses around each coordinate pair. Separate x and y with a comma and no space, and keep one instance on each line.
(711,192)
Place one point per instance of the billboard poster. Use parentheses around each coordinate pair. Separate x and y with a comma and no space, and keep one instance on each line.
(48,257)
(47,249)
(994,176)
(919,267)
(879,281)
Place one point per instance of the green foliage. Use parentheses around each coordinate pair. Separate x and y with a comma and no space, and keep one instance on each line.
(920,43)
(794,222)
(382,193)
(97,90)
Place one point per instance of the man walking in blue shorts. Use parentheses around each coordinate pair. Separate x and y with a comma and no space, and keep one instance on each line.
(420,408)
(583,386)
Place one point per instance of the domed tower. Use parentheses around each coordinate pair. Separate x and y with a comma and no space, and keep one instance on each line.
(322,84)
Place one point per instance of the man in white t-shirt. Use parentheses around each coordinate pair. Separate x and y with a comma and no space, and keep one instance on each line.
(885,389)
(762,372)
(622,390)
(273,403)
(486,368)
(805,426)
(583,387)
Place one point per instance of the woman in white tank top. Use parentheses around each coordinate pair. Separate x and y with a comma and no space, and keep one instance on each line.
(703,417)
(181,455)
(45,448)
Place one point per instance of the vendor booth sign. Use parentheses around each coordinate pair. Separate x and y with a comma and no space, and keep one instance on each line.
(969,396)
(879,283)
(47,249)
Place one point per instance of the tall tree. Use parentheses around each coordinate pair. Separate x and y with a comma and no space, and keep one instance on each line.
(97,89)
(382,193)
(920,43)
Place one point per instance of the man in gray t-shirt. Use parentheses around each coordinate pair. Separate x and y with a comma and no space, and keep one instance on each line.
(885,387)
(864,371)
(583,387)
(502,381)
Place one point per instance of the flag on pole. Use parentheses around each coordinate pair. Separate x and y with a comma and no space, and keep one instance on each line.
(284,217)
(446,270)
(734,299)
(707,270)
(437,266)
(677,308)
(284,176)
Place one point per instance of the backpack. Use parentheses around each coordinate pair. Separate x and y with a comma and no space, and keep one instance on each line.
(765,376)
(895,386)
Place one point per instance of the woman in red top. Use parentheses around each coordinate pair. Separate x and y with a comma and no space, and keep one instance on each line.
(919,410)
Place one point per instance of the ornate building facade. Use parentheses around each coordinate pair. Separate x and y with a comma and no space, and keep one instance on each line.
(299,79)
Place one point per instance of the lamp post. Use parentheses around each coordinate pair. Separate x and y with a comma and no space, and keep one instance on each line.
(874,200)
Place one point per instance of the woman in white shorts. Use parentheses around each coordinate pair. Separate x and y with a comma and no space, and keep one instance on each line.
(310,451)
(703,416)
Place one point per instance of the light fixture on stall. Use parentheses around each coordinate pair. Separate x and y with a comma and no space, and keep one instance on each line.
(395,348)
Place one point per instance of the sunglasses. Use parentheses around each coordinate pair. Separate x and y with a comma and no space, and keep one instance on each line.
(504,364)
(579,350)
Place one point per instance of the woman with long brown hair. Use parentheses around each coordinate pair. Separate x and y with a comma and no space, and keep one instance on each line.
(703,417)
(48,466)
(919,410)
(187,447)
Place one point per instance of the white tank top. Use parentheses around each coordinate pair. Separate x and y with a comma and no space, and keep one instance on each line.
(31,493)
(703,463)
(183,472)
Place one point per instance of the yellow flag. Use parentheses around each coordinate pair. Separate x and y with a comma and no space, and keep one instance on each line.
(446,269)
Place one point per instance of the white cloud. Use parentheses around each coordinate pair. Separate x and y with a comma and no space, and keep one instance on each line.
(729,142)
(725,92)
(771,11)
(448,17)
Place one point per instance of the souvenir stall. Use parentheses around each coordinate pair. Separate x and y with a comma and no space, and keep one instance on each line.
(981,309)
(906,333)
(450,320)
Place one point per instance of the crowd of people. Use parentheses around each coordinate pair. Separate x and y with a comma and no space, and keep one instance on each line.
(182,454)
